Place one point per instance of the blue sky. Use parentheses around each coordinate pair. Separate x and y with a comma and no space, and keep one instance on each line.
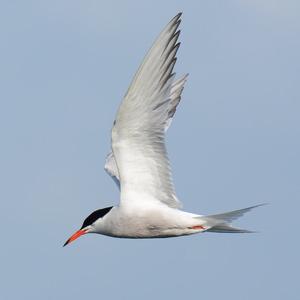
(65,66)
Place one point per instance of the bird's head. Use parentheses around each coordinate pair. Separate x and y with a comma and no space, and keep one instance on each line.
(89,224)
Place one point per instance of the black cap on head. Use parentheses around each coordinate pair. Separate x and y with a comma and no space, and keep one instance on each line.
(99,213)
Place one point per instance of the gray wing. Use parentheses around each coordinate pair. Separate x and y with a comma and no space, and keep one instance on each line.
(138,134)
(175,95)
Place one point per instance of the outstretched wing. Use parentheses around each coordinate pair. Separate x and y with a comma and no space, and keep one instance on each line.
(175,97)
(138,136)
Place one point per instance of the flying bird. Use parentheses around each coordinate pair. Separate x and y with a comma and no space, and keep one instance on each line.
(138,161)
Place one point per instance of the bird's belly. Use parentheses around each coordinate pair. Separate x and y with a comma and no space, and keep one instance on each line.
(152,232)
(152,225)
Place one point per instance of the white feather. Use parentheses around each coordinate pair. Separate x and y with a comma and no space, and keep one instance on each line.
(175,97)
(138,136)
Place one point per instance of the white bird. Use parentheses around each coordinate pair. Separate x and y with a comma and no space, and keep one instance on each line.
(138,162)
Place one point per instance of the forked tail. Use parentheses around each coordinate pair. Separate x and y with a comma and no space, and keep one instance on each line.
(222,222)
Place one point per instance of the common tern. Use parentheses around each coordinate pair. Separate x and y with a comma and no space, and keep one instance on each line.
(138,160)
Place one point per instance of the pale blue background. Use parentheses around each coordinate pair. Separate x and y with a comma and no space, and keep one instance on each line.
(64,66)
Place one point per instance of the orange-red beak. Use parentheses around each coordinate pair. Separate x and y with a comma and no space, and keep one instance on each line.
(75,236)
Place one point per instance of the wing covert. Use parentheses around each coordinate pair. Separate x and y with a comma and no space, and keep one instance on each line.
(175,97)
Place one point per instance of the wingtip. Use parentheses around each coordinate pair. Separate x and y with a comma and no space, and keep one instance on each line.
(176,18)
(261,204)
(179,15)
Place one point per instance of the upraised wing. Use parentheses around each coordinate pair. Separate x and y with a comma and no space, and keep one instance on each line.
(138,136)
(175,97)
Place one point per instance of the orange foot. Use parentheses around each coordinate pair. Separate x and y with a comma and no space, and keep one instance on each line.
(197,227)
